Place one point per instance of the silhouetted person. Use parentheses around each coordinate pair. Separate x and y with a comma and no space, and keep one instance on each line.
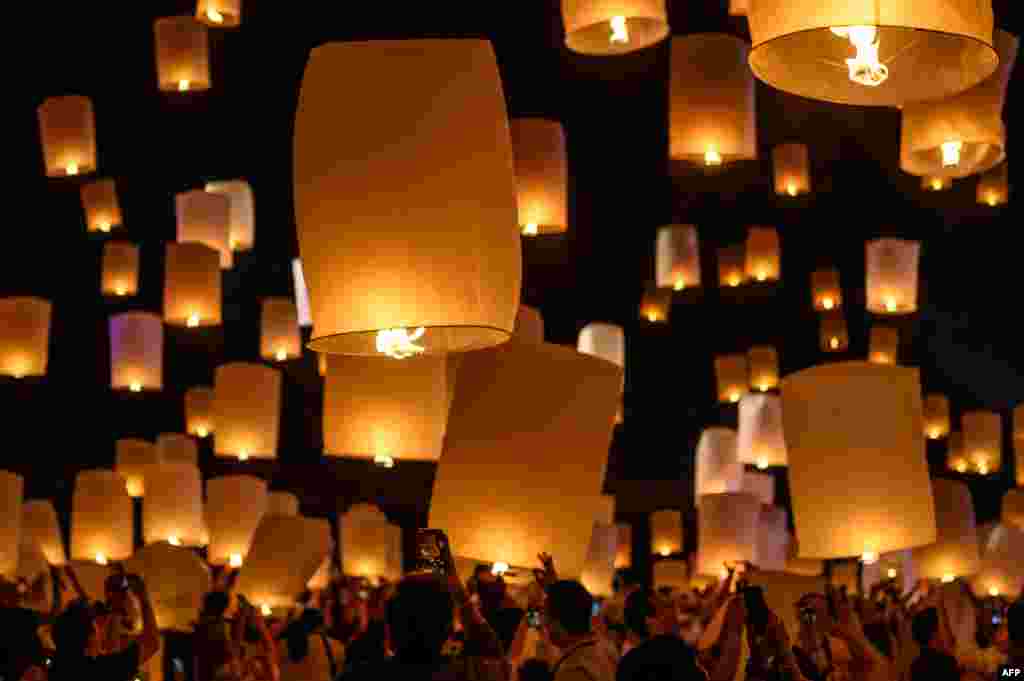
(568,624)
(932,664)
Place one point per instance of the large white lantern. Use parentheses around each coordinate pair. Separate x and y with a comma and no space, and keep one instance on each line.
(761,439)
(726,531)
(719,469)
(366,542)
(892,266)
(40,528)
(101,517)
(235,504)
(24,336)
(286,552)
(247,410)
(136,352)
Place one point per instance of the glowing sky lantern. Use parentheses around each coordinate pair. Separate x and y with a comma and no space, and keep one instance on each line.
(613,27)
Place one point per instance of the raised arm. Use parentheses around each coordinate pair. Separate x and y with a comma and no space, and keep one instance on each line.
(149,641)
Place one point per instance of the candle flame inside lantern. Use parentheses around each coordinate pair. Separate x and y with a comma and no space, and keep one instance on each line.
(202,431)
(762,275)
(664,551)
(103,226)
(937,184)
(173,540)
(890,304)
(235,560)
(993,592)
(265,610)
(384,461)
(892,573)
(869,558)
(983,467)
(120,290)
(101,559)
(762,463)
(530,229)
(213,15)
(72,168)
(934,434)
(193,320)
(620,31)
(734,280)
(499,569)
(828,303)
(961,466)
(400,343)
(712,157)
(183,85)
(951,154)
(679,284)
(992,199)
(865,68)
(281,355)
(948,577)
(653,316)
(734,396)
(791,189)
(243,455)
(834,343)
(135,386)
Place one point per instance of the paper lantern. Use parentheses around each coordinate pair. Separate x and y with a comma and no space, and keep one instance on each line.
(726,531)
(884,345)
(241,226)
(739,7)
(655,305)
(542,176)
(677,257)
(1018,442)
(219,13)
(964,134)
(279,333)
(24,336)
(176,581)
(452,264)
(365,542)
(825,290)
(732,265)
(936,416)
(529,326)
(760,485)
(792,169)
(1002,572)
(247,410)
(599,568)
(380,409)
(177,448)
(235,504)
(485,487)
(182,54)
(762,254)
(833,336)
(712,109)
(120,269)
(101,517)
(205,218)
(624,552)
(764,367)
(899,565)
(608,342)
(936,184)
(858,473)
(983,441)
(67,133)
(772,547)
(896,51)
(173,509)
(719,469)
(40,528)
(761,441)
(199,411)
(955,552)
(731,376)
(994,187)
(136,352)
(285,553)
(301,294)
(666,532)
(892,276)
(133,457)
(12,487)
(613,27)
(956,459)
(192,285)
(102,209)
(1013,509)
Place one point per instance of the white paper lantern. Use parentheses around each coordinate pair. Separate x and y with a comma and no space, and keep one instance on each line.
(67,132)
(726,532)
(182,54)
(761,439)
(136,352)
(102,209)
(983,441)
(892,266)
(101,517)
(285,554)
(199,411)
(666,532)
(763,361)
(677,257)
(731,373)
(241,228)
(279,330)
(120,275)
(173,509)
(542,176)
(792,169)
(719,469)
(624,552)
(884,345)
(205,218)
(955,553)
(365,540)
(247,410)
(599,569)
(235,504)
(24,336)
(133,457)
(762,254)
(176,581)
(1002,571)
(40,528)
(994,186)
(826,291)
(12,487)
(655,305)
(192,285)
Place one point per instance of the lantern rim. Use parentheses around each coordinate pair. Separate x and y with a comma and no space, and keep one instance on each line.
(592,39)
(457,338)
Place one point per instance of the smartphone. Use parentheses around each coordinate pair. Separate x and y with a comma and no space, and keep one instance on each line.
(433,555)
(596,609)
(178,665)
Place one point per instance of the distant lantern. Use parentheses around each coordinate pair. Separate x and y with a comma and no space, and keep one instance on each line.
(133,458)
(101,518)
(936,184)
(892,266)
(241,227)
(219,13)
(1013,509)
(24,336)
(624,552)
(762,254)
(542,176)
(896,51)
(173,509)
(177,448)
(761,485)
(731,376)
(101,206)
(12,488)
(732,265)
(199,411)
(1002,572)
(382,410)
(719,469)
(712,108)
(247,411)
(176,582)
(285,554)
(182,54)
(857,469)
(282,503)
(67,132)
(606,341)
(120,269)
(613,28)
(956,459)
(1018,441)
(205,218)
(655,305)
(446,276)
(964,134)
(772,552)
(884,345)
(41,529)
(763,361)
(726,531)
(761,441)
(136,352)
(321,365)
(983,441)
(792,169)
(936,416)
(235,504)
(598,573)
(301,294)
(955,552)
(833,336)
(677,257)
(825,290)
(192,285)
(666,532)
(280,339)
(994,187)
(365,533)
(529,326)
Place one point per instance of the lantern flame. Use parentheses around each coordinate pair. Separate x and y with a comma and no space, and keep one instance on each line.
(828,303)
(791,189)
(235,560)
(173,540)
(890,304)
(101,559)
(202,431)
(994,592)
(72,168)
(948,577)
(869,558)
(384,461)
(993,199)
(712,157)
(281,355)
(620,31)
(499,569)
(937,183)
(183,85)
(762,463)
(400,343)
(103,226)
(951,154)
(833,343)
(680,284)
(213,15)
(664,551)
(934,433)
(983,467)
(653,316)
(265,610)
(734,396)
(892,573)
(961,466)
(762,275)
(865,68)
(135,387)
(120,290)
(193,320)
(530,229)
(734,280)
(243,455)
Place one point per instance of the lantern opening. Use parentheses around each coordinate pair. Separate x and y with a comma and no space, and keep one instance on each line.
(664,552)
(892,573)
(934,434)
(72,169)
(961,466)
(400,343)
(679,284)
(201,431)
(281,355)
(499,569)
(243,455)
(992,199)
(833,343)
(937,184)
(828,303)
(993,592)
(762,275)
(183,85)
(103,226)
(620,31)
(192,321)
(173,540)
(865,69)
(734,280)
(530,229)
(762,464)
(890,304)
(101,559)
(135,387)
(235,560)
(120,290)
(265,610)
(951,154)
(712,157)
(214,16)
(384,461)
(791,189)
(948,577)
(734,396)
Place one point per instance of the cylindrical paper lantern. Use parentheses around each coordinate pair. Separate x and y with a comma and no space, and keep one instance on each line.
(858,473)
(40,528)
(529,326)
(205,218)
(182,54)
(666,532)
(772,547)
(451,265)
(994,187)
(761,441)
(732,264)
(719,469)
(192,285)
(884,345)
(677,257)
(726,531)
(825,290)
(956,459)
(764,367)
(102,209)
(1018,441)
(285,554)
(1013,509)
(611,27)
(242,227)
(219,13)
(364,542)
(282,503)
(247,410)
(606,341)
(235,504)
(279,330)
(24,336)
(624,552)
(731,375)
(101,517)
(67,132)
(176,581)
(12,487)
(133,458)
(173,509)
(599,569)
(1002,572)
(936,184)
(542,176)
(655,305)
(983,440)
(712,109)
(120,269)
(833,336)
(761,485)
(955,553)
(936,416)
(762,254)
(136,352)
(199,411)
(177,448)
(792,169)
(896,51)
(892,266)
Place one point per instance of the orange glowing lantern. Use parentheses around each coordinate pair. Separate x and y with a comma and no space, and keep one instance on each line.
(219,13)
(101,518)
(983,441)
(719,469)
(731,375)
(884,345)
(666,532)
(67,131)
(994,187)
(833,335)
(792,169)
(542,176)
(205,218)
(235,504)
(24,336)
(762,254)
(173,509)
(1013,509)
(247,411)
(41,529)
(955,552)
(242,227)
(624,552)
(761,440)
(199,411)
(732,263)
(612,28)
(892,267)
(366,545)
(772,550)
(136,352)
(956,459)
(192,285)
(280,339)
(936,416)
(133,458)
(655,305)
(726,531)
(101,206)
(182,54)
(677,257)
(936,184)
(826,293)
(120,275)
(763,361)
(12,488)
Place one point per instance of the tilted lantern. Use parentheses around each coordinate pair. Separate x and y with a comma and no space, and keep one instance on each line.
(286,552)
(182,54)
(279,333)
(12,487)
(613,27)
(282,503)
(936,184)
(133,458)
(624,552)
(833,336)
(732,265)
(666,532)
(762,254)
(205,218)
(761,485)
(24,336)
(763,361)
(120,269)
(101,518)
(235,504)
(858,473)
(598,572)
(192,285)
(956,457)
(301,294)
(884,345)
(136,352)
(1013,509)
(173,509)
(792,169)
(40,528)
(936,416)
(365,541)
(199,411)
(892,266)
(67,132)
(177,448)
(726,531)
(677,257)
(761,441)
(446,276)
(176,582)
(542,176)
(994,187)
(101,206)
(655,305)
(731,376)
(712,108)
(247,410)
(894,51)
(983,441)
(607,341)
(719,469)
(955,552)
(772,552)
(219,13)
(826,291)
(242,227)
